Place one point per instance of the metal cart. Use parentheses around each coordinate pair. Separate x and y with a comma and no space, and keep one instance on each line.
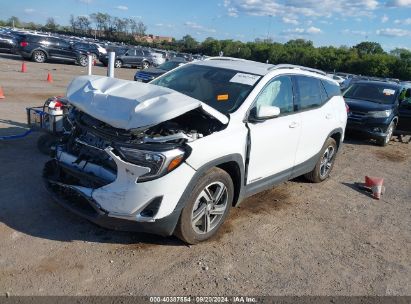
(51,119)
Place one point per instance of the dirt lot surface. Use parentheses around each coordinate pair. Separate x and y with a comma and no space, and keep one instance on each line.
(296,239)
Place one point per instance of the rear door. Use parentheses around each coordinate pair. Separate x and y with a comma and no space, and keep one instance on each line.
(65,50)
(317,118)
(139,57)
(274,141)
(49,44)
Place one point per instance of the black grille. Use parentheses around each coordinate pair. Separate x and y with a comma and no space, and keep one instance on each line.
(73,199)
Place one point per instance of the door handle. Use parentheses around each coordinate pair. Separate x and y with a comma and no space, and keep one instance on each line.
(328,116)
(293,124)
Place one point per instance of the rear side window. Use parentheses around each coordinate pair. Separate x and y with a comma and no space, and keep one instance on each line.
(131,53)
(63,44)
(310,92)
(331,88)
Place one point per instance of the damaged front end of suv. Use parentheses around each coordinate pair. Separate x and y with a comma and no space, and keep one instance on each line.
(124,135)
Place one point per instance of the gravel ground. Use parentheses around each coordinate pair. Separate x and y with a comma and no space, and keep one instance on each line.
(295,239)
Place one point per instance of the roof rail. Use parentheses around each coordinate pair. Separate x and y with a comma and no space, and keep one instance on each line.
(225,58)
(298,67)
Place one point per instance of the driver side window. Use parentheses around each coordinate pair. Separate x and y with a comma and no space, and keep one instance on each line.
(279,93)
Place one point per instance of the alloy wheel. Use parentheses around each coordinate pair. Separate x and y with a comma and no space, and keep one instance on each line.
(389,133)
(83,61)
(209,208)
(39,56)
(117,64)
(327,161)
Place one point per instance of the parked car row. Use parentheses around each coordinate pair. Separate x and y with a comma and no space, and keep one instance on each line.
(154,72)
(40,47)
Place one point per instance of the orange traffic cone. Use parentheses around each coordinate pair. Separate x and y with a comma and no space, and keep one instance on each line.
(376,185)
(23,67)
(2,94)
(49,78)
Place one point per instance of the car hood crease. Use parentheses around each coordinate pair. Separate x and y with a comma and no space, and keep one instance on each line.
(130,105)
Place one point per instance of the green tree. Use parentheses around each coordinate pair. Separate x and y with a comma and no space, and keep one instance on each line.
(51,24)
(367,47)
(14,21)
(189,44)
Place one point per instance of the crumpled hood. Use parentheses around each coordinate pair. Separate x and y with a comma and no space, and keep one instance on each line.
(130,105)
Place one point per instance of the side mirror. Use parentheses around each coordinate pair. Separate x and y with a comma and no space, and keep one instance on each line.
(261,113)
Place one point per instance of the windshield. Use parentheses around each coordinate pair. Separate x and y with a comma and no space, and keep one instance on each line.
(224,90)
(379,93)
(169,65)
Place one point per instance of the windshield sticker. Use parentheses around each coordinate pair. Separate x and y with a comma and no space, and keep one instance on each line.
(388,92)
(247,79)
(222,97)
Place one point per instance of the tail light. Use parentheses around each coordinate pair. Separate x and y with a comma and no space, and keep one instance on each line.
(24,43)
(347,108)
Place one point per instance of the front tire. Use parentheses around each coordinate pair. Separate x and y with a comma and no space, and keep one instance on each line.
(207,207)
(384,141)
(145,65)
(118,63)
(45,142)
(325,164)
(39,56)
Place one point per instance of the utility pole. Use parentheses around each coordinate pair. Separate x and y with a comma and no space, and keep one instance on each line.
(269,27)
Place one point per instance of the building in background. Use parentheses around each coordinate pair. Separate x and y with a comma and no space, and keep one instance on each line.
(153,38)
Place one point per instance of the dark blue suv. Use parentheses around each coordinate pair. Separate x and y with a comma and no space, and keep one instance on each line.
(376,108)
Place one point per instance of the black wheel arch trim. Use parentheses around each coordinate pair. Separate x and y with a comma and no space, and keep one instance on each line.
(237,158)
(39,49)
(336,131)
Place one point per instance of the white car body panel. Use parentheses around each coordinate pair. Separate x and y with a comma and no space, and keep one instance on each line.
(124,197)
(101,49)
(130,197)
(274,145)
(316,125)
(231,140)
(158,58)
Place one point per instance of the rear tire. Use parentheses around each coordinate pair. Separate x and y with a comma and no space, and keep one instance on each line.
(83,60)
(39,56)
(206,207)
(325,164)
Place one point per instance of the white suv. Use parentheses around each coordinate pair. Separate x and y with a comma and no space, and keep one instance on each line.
(174,155)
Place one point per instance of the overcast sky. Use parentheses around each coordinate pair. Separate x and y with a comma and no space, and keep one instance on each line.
(326,22)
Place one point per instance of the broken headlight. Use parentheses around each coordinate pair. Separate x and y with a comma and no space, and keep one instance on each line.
(159,163)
